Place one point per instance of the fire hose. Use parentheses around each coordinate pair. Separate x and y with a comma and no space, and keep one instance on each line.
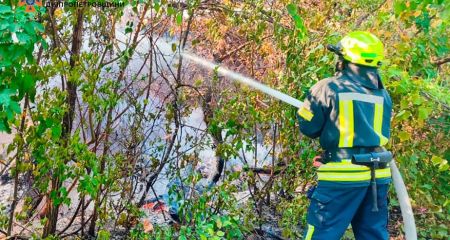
(399,185)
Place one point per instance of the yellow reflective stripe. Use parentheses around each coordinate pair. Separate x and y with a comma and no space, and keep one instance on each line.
(383,173)
(305,113)
(343,176)
(310,232)
(351,176)
(342,166)
(346,125)
(378,123)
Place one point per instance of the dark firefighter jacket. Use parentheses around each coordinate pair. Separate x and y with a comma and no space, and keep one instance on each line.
(349,110)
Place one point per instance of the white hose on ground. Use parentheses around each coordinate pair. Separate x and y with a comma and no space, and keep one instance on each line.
(399,185)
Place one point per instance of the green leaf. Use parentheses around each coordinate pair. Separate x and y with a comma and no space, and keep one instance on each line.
(443,166)
(14,27)
(15,107)
(56,131)
(403,114)
(436,160)
(23,37)
(4,25)
(29,29)
(103,235)
(5,9)
(445,13)
(170,11)
(424,113)
(179,18)
(299,24)
(292,9)
(44,44)
(5,96)
(399,7)
(424,21)
(218,223)
(129,27)
(416,99)
(404,136)
(54,196)
(157,6)
(4,126)
(38,26)
(28,83)
(174,47)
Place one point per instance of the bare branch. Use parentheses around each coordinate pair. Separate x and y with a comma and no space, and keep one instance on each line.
(440,61)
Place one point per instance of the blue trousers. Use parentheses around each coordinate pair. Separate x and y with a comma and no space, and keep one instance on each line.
(333,209)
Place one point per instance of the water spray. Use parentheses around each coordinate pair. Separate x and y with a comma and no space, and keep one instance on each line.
(399,185)
(245,80)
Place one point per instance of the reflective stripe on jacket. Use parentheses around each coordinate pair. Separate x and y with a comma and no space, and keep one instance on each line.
(349,110)
(345,171)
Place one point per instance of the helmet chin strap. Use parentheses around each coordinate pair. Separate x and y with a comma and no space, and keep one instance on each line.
(340,64)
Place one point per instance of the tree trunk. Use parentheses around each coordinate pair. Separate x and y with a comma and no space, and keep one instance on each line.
(53,210)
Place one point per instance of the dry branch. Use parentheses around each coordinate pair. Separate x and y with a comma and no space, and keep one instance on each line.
(440,61)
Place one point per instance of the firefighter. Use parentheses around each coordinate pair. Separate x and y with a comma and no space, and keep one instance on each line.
(350,114)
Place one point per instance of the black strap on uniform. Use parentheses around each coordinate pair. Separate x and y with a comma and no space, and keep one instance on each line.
(373,184)
(374,160)
(336,155)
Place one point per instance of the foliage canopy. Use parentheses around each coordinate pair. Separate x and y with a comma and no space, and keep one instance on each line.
(104,113)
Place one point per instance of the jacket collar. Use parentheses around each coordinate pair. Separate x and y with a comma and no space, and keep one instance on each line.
(366,76)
